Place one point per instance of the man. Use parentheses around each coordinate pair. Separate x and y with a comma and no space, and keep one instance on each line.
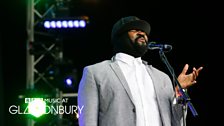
(126,91)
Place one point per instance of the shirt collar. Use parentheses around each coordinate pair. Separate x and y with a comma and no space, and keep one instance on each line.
(128,59)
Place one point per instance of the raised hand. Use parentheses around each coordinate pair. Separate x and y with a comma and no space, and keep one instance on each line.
(187,80)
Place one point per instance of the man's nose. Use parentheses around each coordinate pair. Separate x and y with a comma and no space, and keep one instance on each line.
(141,32)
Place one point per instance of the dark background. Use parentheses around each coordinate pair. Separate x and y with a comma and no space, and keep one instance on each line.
(187,25)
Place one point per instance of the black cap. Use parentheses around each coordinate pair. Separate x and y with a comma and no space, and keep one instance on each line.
(128,23)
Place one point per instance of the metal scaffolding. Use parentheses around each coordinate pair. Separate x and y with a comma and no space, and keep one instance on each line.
(43,49)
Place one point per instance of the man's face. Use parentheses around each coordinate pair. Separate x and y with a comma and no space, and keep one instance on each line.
(138,37)
(133,42)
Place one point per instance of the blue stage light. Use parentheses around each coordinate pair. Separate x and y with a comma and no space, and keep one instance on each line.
(69,81)
(62,23)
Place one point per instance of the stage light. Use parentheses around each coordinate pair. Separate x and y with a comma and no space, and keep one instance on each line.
(70,24)
(69,81)
(82,23)
(64,24)
(56,24)
(76,24)
(37,107)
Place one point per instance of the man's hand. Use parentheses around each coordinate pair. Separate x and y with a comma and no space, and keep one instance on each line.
(187,80)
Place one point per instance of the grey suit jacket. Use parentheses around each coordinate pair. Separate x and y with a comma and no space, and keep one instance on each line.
(107,100)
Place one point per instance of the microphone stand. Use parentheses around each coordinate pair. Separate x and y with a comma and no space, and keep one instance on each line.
(184,96)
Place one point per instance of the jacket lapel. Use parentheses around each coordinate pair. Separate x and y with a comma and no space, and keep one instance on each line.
(158,87)
(115,67)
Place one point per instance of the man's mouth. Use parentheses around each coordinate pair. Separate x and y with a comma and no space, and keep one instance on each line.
(141,39)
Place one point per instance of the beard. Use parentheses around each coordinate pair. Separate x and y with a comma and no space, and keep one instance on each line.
(140,48)
(125,45)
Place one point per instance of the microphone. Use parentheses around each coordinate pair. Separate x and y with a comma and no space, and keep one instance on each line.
(164,47)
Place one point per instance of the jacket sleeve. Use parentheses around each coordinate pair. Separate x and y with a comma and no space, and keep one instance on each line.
(179,113)
(88,99)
